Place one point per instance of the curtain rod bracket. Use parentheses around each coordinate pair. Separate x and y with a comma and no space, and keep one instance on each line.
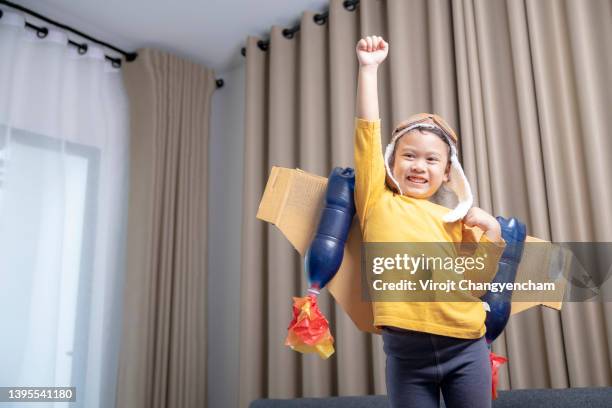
(263,45)
(350,5)
(320,19)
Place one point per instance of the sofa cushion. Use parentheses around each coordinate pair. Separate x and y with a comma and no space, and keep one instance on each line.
(599,397)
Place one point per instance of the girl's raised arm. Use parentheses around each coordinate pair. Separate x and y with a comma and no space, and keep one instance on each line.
(371,52)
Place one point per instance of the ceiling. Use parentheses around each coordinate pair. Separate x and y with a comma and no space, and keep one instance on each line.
(210,32)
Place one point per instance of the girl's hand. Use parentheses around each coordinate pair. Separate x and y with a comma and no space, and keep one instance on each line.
(477,217)
(372,51)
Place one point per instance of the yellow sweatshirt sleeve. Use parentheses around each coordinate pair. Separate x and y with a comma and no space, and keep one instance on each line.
(482,247)
(369,166)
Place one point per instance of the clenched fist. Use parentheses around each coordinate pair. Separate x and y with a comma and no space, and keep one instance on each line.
(372,50)
(477,217)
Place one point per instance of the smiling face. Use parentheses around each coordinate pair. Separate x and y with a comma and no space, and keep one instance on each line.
(420,163)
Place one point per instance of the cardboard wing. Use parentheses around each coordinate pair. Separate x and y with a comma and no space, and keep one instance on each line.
(293,200)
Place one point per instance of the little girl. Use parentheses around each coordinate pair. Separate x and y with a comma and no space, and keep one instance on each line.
(430,346)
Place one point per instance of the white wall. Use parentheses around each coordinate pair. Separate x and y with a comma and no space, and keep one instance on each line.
(224,231)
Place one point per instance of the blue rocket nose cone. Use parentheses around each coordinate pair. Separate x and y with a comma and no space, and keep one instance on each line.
(348,172)
(511,222)
(512,229)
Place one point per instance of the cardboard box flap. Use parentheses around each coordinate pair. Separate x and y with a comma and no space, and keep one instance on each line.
(292,201)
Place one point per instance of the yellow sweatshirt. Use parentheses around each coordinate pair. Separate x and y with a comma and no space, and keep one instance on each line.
(385,216)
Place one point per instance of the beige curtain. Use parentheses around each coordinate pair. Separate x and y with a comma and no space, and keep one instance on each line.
(526,84)
(163,352)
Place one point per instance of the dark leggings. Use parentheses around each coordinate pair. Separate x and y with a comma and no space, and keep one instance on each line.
(420,365)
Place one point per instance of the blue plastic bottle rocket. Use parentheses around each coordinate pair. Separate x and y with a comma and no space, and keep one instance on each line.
(324,256)
(500,305)
(309,330)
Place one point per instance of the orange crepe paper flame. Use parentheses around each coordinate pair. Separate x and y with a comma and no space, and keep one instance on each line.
(308,332)
(496,362)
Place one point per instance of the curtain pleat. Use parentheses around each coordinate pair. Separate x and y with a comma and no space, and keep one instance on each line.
(163,355)
(353,375)
(528,124)
(254,256)
(525,84)
(283,261)
(314,156)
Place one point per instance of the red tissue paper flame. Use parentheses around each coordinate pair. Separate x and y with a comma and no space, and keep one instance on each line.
(496,362)
(309,332)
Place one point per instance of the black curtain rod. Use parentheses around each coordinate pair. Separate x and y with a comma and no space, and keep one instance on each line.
(42,32)
(319,19)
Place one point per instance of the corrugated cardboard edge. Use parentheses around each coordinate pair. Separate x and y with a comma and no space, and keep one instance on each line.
(270,208)
(518,307)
